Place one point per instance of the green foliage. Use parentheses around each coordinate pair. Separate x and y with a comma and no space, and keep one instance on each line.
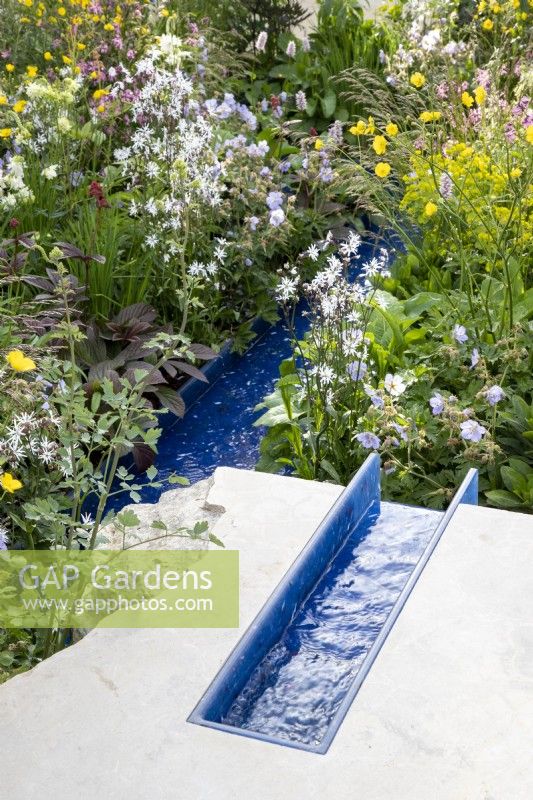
(341,41)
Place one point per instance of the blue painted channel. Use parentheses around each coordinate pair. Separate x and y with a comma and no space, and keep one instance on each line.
(297,669)
(218,428)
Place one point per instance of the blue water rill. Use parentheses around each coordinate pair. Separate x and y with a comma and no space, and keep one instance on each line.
(297,669)
(218,428)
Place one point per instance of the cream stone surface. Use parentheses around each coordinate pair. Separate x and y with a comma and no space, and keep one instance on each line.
(446,712)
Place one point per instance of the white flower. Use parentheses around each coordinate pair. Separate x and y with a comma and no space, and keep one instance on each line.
(122,153)
(312,252)
(220,253)
(287,289)
(394,384)
(63,124)
(325,374)
(277,217)
(291,49)
(50,172)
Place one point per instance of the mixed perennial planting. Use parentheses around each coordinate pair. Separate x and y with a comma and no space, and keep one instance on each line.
(442,376)
(170,171)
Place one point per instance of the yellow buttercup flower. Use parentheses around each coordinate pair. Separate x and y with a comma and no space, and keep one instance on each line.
(488,25)
(417,80)
(66,60)
(430,209)
(98,93)
(31,71)
(62,11)
(467,99)
(100,108)
(48,56)
(319,144)
(9,483)
(382,169)
(19,106)
(430,116)
(5,133)
(81,46)
(370,127)
(529,134)
(515,172)
(380,145)
(19,362)
(391,129)
(109,27)
(359,128)
(10,67)
(480,94)
(3,100)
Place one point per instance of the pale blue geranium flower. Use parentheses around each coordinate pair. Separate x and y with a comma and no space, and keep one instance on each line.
(274,200)
(459,334)
(494,395)
(357,370)
(437,404)
(472,431)
(368,440)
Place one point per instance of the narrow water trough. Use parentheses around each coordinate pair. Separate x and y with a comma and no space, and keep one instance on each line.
(294,674)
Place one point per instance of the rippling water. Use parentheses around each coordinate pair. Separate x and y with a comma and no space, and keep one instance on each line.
(297,688)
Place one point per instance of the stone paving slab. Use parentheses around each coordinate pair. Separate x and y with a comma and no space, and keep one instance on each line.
(446,712)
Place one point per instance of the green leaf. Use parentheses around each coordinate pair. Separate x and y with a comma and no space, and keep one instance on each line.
(330,470)
(328,104)
(179,479)
(513,480)
(421,302)
(128,518)
(397,334)
(415,335)
(524,308)
(283,71)
(311,106)
(499,497)
(6,659)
